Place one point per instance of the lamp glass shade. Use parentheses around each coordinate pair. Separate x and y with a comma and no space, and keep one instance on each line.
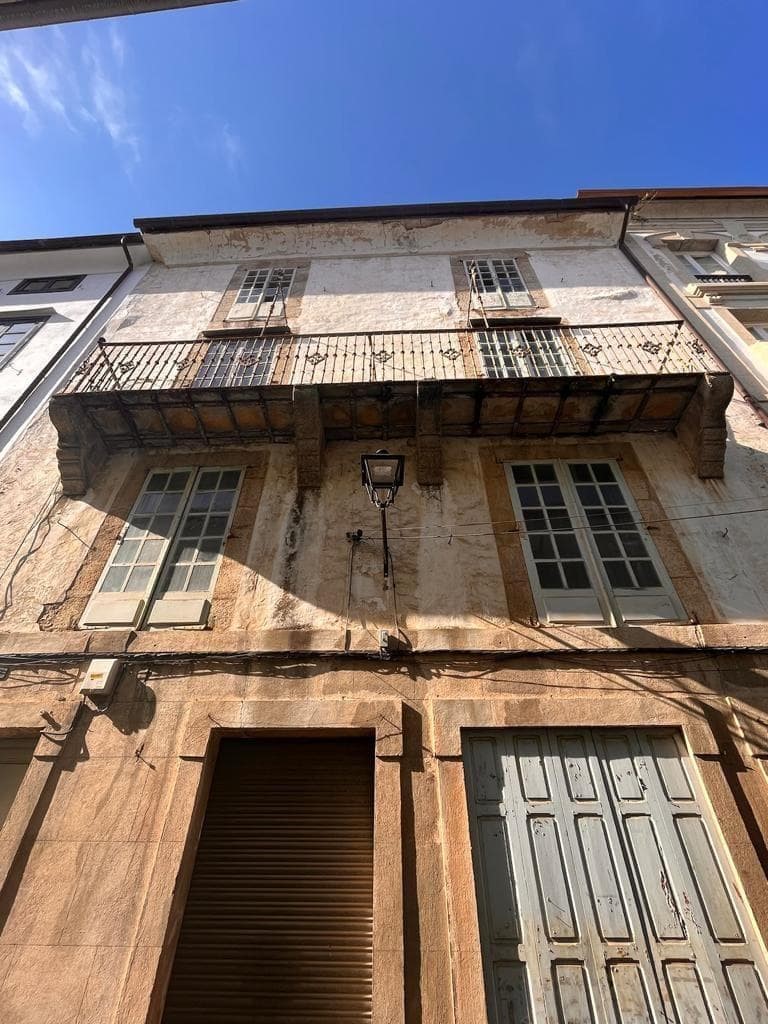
(382,476)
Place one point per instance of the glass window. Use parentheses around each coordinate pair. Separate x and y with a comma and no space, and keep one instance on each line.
(528,352)
(262,294)
(587,550)
(496,283)
(175,533)
(15,332)
(46,285)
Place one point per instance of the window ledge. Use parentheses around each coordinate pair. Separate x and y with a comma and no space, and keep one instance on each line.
(720,287)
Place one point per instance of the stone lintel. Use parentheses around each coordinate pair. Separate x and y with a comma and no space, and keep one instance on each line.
(429,452)
(702,428)
(309,435)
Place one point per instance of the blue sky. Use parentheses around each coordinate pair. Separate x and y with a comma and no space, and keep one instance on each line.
(273,104)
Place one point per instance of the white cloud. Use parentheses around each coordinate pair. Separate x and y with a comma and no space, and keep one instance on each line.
(109,102)
(48,83)
(232,147)
(12,91)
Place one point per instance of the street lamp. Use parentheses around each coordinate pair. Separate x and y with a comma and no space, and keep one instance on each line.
(383,476)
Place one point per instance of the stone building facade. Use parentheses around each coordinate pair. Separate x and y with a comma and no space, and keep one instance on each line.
(521,778)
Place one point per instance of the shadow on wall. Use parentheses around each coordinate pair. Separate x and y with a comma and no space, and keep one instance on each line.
(130,713)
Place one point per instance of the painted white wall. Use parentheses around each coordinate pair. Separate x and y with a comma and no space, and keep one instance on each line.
(65,311)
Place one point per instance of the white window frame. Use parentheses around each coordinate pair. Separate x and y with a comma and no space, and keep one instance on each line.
(489,283)
(251,301)
(525,352)
(48,280)
(133,609)
(35,323)
(602,603)
(692,259)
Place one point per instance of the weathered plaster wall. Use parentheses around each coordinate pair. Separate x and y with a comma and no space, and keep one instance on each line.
(291,567)
(91,899)
(369,238)
(389,292)
(170,304)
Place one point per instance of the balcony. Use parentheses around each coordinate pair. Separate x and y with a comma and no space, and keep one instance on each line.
(377,357)
(229,389)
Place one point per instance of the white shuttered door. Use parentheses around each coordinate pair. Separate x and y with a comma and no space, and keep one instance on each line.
(601,896)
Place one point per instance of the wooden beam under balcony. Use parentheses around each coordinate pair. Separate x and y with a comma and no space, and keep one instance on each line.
(93,424)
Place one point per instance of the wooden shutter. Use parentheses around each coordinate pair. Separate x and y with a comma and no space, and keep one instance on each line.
(603,890)
(278,923)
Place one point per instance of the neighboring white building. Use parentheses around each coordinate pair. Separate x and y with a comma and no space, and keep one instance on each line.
(56,295)
(707,249)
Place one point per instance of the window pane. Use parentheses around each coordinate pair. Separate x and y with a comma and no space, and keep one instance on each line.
(551,495)
(114,579)
(549,575)
(567,545)
(633,545)
(148,503)
(150,551)
(607,545)
(602,472)
(522,474)
(162,525)
(193,526)
(580,473)
(158,482)
(201,501)
(216,526)
(230,479)
(208,481)
(222,501)
(541,546)
(139,578)
(645,574)
(576,577)
(618,574)
(126,552)
(529,496)
(545,473)
(201,578)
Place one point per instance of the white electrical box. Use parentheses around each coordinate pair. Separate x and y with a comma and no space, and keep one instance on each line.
(101,677)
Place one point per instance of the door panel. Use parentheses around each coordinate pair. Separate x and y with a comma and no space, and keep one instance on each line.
(601,893)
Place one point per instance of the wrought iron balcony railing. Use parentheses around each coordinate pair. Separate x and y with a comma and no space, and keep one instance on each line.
(723,278)
(243,361)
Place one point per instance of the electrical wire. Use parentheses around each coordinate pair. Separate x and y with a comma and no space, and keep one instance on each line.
(521,529)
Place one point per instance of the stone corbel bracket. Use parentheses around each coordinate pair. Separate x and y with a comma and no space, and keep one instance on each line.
(702,429)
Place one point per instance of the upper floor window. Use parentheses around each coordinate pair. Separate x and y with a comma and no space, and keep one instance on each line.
(590,559)
(46,285)
(262,294)
(15,332)
(497,283)
(164,564)
(759,331)
(527,352)
(708,265)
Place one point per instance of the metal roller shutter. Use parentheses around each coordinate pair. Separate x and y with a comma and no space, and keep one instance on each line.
(278,924)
